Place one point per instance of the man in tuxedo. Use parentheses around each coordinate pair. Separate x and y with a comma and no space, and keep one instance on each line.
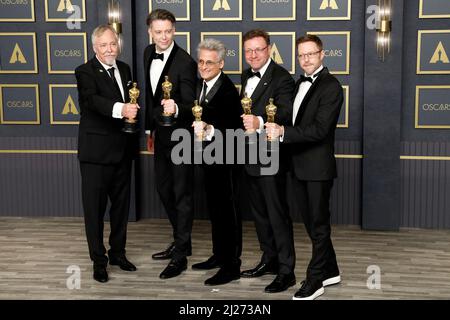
(267,192)
(173,182)
(310,135)
(104,151)
(221,111)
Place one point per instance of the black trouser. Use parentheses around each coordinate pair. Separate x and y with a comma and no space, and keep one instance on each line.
(174,184)
(267,195)
(100,182)
(313,200)
(226,224)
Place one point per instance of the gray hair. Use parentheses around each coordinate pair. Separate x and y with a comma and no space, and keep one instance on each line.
(100,30)
(213,45)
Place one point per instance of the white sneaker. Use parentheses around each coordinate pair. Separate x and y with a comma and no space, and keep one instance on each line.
(331,281)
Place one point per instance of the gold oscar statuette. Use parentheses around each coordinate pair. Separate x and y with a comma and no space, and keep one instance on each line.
(271,111)
(246,103)
(130,124)
(167,119)
(197,111)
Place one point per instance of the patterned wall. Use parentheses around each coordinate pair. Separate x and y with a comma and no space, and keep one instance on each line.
(41,41)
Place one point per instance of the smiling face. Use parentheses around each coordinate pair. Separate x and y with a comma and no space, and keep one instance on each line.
(106,47)
(310,57)
(257,52)
(162,33)
(209,64)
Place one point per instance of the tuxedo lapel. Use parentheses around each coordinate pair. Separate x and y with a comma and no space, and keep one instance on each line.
(103,74)
(148,62)
(305,103)
(125,81)
(214,89)
(198,89)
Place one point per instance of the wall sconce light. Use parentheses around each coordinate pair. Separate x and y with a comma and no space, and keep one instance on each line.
(384,27)
(114,18)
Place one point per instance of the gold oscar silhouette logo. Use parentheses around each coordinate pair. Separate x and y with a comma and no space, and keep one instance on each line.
(17,55)
(221,4)
(275,54)
(65,5)
(439,54)
(69,107)
(329,4)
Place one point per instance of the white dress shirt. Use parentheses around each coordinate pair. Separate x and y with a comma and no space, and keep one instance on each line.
(251,85)
(156,69)
(117,108)
(302,91)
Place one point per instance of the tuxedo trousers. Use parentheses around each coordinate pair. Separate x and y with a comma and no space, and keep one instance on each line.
(174,183)
(226,222)
(268,203)
(98,183)
(313,199)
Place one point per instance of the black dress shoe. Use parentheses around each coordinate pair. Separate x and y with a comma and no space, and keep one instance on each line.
(309,290)
(281,283)
(209,264)
(223,276)
(260,270)
(174,268)
(166,254)
(123,263)
(100,273)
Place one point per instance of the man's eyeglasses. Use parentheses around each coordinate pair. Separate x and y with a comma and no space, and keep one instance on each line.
(207,63)
(257,50)
(308,55)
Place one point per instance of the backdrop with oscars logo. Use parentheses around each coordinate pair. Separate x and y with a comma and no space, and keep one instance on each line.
(41,43)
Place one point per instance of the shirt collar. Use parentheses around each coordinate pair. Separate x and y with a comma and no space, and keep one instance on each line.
(263,68)
(315,74)
(213,81)
(106,66)
(167,51)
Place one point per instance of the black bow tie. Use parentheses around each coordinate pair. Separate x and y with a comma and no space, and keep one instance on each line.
(303,78)
(256,74)
(158,56)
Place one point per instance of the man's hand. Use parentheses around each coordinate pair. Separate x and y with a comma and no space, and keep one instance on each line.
(199,127)
(169,106)
(150,144)
(130,110)
(273,130)
(250,122)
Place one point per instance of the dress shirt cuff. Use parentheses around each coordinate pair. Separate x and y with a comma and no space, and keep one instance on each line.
(148,132)
(176,111)
(261,125)
(210,135)
(117,110)
(282,135)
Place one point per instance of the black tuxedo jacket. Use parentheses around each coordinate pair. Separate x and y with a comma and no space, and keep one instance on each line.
(278,84)
(182,72)
(222,106)
(311,139)
(100,139)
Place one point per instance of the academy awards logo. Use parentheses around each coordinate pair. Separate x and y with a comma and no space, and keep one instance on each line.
(275,54)
(221,4)
(65,6)
(69,107)
(440,55)
(63,104)
(19,104)
(18,52)
(220,10)
(17,11)
(433,49)
(17,55)
(329,4)
(329,9)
